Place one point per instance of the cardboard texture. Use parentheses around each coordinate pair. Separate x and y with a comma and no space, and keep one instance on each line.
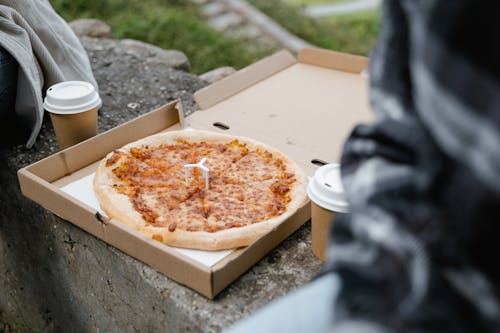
(73,128)
(321,221)
(304,107)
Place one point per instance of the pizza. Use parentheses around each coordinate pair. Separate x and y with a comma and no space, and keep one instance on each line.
(200,190)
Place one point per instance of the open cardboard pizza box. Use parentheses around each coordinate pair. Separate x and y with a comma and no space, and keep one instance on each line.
(304,107)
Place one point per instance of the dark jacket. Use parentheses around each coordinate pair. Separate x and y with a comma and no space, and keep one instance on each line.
(418,251)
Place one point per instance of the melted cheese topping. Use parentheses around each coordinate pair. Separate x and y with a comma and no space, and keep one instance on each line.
(245,186)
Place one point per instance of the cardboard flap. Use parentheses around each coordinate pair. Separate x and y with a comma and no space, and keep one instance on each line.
(51,197)
(243,79)
(333,60)
(159,257)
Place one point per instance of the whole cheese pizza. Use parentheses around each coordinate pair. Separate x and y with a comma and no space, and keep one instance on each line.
(200,190)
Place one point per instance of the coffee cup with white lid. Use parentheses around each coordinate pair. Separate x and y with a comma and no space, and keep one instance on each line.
(73,109)
(327,200)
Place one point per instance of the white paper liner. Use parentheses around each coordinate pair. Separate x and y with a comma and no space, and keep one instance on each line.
(82,190)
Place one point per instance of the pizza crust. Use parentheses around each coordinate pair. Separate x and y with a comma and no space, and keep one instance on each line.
(116,205)
(220,240)
(119,206)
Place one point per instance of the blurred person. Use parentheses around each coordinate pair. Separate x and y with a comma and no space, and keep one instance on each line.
(37,50)
(418,251)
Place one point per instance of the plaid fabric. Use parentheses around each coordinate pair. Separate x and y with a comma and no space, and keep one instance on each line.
(418,251)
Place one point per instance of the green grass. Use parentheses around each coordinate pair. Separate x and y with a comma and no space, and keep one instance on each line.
(205,48)
(176,24)
(170,24)
(352,33)
(355,33)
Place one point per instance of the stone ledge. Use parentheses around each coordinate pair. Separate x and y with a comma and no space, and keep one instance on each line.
(56,277)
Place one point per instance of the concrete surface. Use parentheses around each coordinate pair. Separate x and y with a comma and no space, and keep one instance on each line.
(56,277)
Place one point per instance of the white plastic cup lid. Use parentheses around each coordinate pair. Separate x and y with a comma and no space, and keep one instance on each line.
(71,97)
(326,189)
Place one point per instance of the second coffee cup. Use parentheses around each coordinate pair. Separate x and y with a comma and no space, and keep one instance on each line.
(327,200)
(73,109)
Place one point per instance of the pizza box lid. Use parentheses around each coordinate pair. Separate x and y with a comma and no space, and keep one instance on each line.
(305,107)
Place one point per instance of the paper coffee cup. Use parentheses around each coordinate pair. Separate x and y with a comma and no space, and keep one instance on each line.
(327,199)
(73,109)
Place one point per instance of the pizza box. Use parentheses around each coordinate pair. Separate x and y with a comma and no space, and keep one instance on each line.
(303,106)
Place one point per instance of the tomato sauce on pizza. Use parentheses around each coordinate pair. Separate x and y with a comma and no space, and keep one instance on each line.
(251,189)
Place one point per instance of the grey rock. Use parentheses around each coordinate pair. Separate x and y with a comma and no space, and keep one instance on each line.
(217,74)
(55,276)
(225,21)
(213,8)
(133,73)
(90,27)
(154,54)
